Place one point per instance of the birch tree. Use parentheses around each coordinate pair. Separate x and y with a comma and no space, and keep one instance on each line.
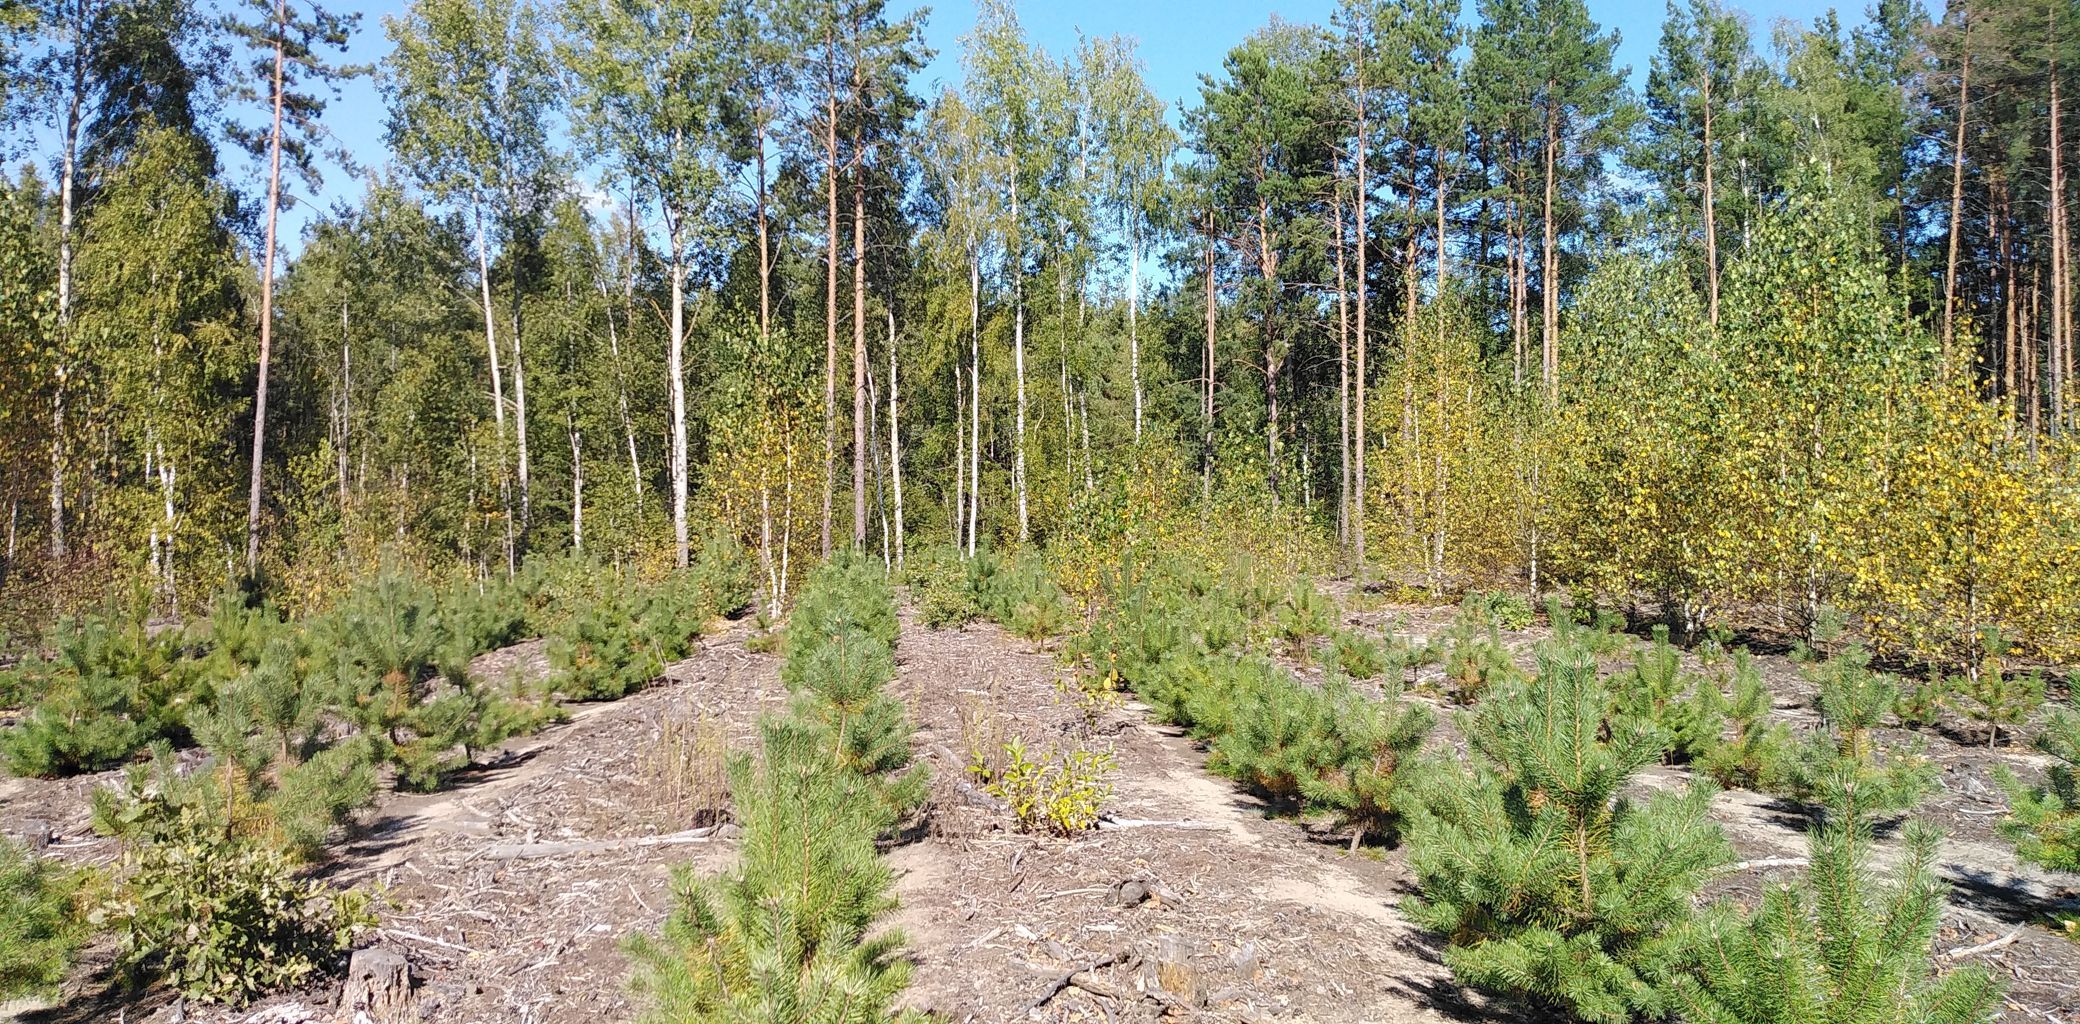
(645,80)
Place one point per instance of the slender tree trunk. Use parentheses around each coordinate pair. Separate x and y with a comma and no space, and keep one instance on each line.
(2060,321)
(895,438)
(570,424)
(1018,359)
(1134,320)
(765,249)
(861,411)
(1549,268)
(830,288)
(68,211)
(960,457)
(680,548)
(1711,220)
(1443,188)
(628,423)
(274,198)
(974,397)
(1343,379)
(1206,465)
(1359,380)
(346,412)
(1964,78)
(498,386)
(520,411)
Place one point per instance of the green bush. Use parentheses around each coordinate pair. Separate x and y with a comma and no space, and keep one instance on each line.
(1357,657)
(1302,618)
(1998,698)
(1278,733)
(1371,746)
(849,592)
(39,930)
(794,931)
(1548,885)
(1758,754)
(1478,663)
(1060,792)
(1501,608)
(114,686)
(1841,766)
(1687,709)
(224,919)
(2044,821)
(1838,947)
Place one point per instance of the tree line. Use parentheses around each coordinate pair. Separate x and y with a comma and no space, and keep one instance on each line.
(1785,331)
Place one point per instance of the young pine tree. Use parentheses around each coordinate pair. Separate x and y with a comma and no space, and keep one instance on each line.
(2044,821)
(1548,884)
(1841,766)
(785,934)
(1838,947)
(38,930)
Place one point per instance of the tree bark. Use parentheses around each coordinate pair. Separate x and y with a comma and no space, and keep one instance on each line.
(1206,466)
(681,551)
(974,397)
(498,386)
(1134,321)
(895,441)
(830,289)
(2060,318)
(1018,359)
(1549,268)
(1711,223)
(274,197)
(1964,78)
(1343,377)
(860,409)
(1359,381)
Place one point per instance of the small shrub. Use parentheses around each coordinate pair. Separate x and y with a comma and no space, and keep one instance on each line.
(224,919)
(2044,820)
(1093,697)
(1477,664)
(1302,618)
(1838,947)
(1841,767)
(39,931)
(1687,709)
(1356,656)
(793,931)
(1757,756)
(113,688)
(1546,883)
(1998,699)
(1919,704)
(1061,792)
(1372,747)
(1502,608)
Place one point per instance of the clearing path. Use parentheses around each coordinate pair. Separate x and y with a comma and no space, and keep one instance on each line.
(1195,902)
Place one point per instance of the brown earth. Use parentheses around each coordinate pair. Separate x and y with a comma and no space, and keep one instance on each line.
(512,891)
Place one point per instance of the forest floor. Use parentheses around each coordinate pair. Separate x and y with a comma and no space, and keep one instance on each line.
(512,890)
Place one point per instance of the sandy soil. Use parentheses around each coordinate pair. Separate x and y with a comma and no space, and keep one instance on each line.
(512,890)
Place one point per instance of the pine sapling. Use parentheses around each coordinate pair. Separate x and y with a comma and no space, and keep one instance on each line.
(1837,947)
(1549,884)
(2044,820)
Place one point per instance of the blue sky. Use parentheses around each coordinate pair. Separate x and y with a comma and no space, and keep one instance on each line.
(1178,39)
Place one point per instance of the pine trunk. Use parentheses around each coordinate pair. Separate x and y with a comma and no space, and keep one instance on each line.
(274,198)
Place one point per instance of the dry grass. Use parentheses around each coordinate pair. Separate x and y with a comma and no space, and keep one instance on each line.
(687,771)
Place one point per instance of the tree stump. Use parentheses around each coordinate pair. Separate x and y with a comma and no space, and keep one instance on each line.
(379,988)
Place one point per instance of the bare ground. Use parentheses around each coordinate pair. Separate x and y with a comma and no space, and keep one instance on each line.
(513,890)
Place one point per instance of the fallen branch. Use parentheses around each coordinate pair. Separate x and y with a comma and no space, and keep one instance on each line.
(1112,823)
(1764,862)
(530,851)
(1068,977)
(1961,952)
(399,933)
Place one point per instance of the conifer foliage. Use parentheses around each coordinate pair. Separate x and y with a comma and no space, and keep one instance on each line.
(2044,820)
(1837,947)
(1548,885)
(790,933)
